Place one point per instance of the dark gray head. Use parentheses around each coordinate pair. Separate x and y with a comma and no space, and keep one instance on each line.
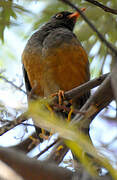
(65,19)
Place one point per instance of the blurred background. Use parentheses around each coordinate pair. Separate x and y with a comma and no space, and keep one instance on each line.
(19,19)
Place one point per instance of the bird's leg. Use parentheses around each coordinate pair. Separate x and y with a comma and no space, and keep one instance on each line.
(60,95)
(43,134)
(70,113)
(50,109)
(35,141)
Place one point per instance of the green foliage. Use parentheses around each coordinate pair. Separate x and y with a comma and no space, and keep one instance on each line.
(8,13)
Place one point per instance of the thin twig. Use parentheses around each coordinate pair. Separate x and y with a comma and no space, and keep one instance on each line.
(101,37)
(105,8)
(28,124)
(12,84)
(13,123)
(27,144)
(46,149)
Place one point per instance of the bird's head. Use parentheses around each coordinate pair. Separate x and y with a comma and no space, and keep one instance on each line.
(65,19)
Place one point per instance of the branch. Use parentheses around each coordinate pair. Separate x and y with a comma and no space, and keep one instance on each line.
(99,100)
(6,173)
(12,84)
(114,79)
(27,144)
(46,149)
(56,156)
(80,90)
(101,37)
(105,8)
(12,124)
(32,169)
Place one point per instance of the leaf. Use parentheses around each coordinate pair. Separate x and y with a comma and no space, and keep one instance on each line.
(8,12)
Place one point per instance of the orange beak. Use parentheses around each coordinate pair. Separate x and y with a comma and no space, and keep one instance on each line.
(76,14)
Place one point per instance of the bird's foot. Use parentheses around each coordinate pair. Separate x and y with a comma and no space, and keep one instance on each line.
(43,135)
(60,95)
(35,141)
(58,150)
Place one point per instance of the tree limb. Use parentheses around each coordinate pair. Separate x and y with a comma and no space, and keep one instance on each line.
(114,79)
(6,173)
(31,169)
(105,8)
(56,156)
(80,90)
(99,100)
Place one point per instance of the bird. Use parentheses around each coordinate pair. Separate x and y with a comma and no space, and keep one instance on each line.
(54,59)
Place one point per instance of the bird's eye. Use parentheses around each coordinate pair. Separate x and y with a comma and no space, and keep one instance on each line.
(59,16)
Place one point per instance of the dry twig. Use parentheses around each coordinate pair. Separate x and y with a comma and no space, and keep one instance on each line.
(105,8)
(46,149)
(12,84)
(12,124)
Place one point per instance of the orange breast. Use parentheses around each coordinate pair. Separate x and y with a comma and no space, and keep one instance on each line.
(63,68)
